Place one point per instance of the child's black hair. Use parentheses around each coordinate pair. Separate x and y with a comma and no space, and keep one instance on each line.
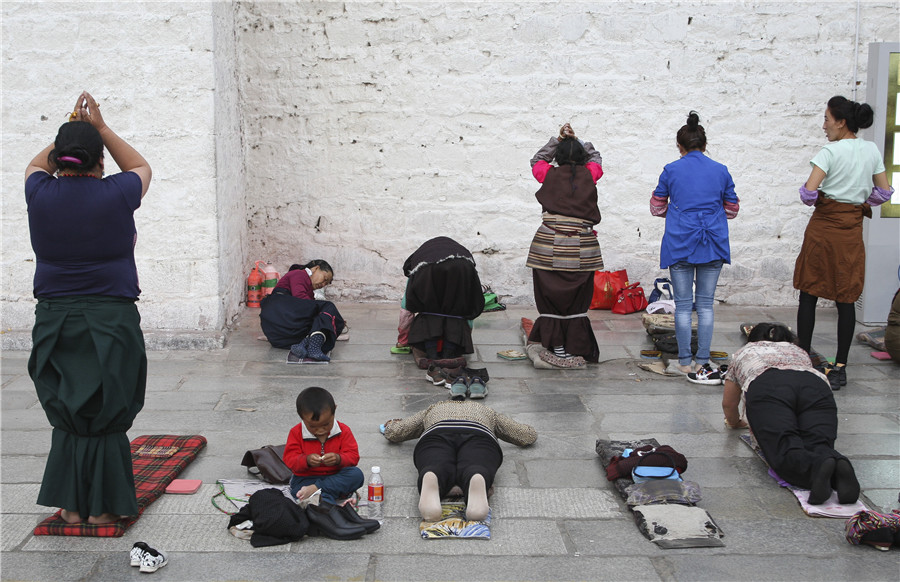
(315,400)
(770,332)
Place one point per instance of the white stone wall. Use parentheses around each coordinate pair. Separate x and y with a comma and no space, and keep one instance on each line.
(371,127)
(354,131)
(153,69)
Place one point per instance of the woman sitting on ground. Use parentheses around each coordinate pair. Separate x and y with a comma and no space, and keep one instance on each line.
(791,413)
(291,317)
(457,447)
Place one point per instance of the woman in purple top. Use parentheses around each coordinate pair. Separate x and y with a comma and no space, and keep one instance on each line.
(291,317)
(87,361)
(696,197)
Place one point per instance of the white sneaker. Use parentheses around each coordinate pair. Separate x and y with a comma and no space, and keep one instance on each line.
(137,553)
(153,560)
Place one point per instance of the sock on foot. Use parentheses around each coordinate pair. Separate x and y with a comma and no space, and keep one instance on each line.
(845,482)
(430,498)
(561,352)
(821,482)
(314,345)
(477,504)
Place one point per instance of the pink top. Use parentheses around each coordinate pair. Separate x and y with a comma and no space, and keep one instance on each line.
(540,168)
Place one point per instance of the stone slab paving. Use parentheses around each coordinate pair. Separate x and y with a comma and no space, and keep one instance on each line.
(555,515)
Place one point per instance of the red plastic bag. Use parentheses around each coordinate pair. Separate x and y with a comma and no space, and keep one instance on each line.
(630,299)
(606,285)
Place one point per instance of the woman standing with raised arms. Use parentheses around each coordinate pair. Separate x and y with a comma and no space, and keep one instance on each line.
(847,179)
(88,361)
(564,252)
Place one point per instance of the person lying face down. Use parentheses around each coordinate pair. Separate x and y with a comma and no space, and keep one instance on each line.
(791,412)
(458,446)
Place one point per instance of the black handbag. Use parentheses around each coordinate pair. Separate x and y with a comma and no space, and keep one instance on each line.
(267,463)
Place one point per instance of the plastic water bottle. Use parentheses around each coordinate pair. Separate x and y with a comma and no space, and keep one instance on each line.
(376,495)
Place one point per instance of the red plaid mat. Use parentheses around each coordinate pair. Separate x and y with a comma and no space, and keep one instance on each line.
(157,460)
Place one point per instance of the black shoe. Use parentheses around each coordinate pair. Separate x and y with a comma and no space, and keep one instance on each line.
(326,521)
(480,372)
(356,519)
(837,376)
(845,482)
(821,482)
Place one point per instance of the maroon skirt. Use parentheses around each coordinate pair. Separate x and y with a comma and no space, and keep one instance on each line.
(564,293)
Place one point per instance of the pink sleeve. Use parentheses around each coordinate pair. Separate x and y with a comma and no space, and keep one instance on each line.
(659,205)
(539,170)
(595,169)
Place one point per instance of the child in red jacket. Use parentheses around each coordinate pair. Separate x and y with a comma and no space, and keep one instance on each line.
(320,451)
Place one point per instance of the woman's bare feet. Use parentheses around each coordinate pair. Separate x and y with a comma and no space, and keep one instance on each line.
(430,498)
(477,507)
(103,518)
(70,516)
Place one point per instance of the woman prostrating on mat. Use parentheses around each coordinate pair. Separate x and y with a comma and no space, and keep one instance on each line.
(291,317)
(88,361)
(564,252)
(457,446)
(791,413)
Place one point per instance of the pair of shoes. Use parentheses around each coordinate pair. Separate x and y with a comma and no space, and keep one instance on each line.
(845,483)
(327,520)
(836,374)
(480,372)
(707,375)
(477,388)
(151,560)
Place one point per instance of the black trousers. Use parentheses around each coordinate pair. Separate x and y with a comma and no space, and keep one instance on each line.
(286,320)
(455,456)
(794,418)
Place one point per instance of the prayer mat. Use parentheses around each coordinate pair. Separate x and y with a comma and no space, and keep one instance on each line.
(668,525)
(156,460)
(453,524)
(874,338)
(831,508)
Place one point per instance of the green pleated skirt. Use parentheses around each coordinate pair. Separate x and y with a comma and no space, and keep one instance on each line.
(89,369)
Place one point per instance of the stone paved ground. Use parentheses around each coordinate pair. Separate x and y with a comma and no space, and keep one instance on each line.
(556,517)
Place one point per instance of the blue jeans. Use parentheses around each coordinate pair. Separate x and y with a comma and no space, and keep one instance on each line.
(341,485)
(683,276)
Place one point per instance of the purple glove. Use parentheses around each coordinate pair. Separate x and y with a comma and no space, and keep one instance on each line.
(880,195)
(808,197)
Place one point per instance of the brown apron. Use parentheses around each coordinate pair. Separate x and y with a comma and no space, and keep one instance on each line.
(832,260)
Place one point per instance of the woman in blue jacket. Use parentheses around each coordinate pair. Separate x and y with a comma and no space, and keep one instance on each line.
(696,196)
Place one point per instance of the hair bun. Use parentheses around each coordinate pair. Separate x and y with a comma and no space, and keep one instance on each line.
(693,119)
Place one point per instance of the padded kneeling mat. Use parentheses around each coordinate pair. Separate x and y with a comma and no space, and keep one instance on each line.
(157,460)
(668,525)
